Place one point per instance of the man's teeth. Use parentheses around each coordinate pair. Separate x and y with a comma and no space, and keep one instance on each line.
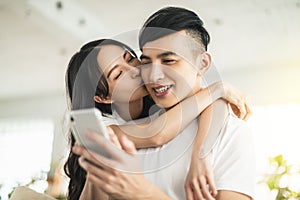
(162,89)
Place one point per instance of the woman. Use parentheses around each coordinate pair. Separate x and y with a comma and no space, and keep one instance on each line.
(96,77)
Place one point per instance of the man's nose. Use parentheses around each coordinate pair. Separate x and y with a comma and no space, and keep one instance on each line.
(156,73)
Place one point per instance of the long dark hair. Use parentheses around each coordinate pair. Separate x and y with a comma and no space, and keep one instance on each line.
(84,79)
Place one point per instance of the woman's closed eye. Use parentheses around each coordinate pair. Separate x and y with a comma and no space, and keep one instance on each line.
(129,58)
(119,74)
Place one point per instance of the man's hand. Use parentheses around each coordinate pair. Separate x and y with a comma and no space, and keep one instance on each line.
(118,176)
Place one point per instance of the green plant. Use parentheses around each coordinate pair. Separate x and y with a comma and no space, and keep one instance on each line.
(283,178)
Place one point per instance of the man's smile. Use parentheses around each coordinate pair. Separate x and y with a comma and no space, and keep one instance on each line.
(161,90)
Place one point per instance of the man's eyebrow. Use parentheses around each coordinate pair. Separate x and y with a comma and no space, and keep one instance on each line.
(164,54)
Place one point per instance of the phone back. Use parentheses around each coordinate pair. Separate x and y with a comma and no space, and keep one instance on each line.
(88,120)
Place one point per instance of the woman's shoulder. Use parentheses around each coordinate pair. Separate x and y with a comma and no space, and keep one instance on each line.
(111,119)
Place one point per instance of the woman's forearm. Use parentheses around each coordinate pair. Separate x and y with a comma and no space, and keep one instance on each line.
(168,125)
(211,122)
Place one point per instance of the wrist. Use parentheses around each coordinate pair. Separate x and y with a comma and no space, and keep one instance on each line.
(217,90)
(196,151)
(154,193)
(150,191)
(199,153)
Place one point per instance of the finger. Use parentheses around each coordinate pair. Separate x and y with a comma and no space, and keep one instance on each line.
(88,165)
(93,157)
(195,197)
(188,191)
(102,142)
(127,145)
(249,111)
(197,189)
(242,108)
(235,109)
(107,188)
(75,149)
(204,189)
(107,177)
(102,174)
(114,139)
(212,185)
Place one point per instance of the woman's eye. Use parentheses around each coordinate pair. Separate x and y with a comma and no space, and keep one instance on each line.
(129,57)
(118,75)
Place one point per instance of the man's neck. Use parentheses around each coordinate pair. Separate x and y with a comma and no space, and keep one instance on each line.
(195,89)
(129,110)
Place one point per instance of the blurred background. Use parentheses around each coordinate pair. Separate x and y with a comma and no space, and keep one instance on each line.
(255,46)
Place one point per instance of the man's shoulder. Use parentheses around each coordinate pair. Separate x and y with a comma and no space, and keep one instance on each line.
(236,126)
(237,122)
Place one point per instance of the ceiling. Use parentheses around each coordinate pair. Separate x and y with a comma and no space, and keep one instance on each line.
(250,38)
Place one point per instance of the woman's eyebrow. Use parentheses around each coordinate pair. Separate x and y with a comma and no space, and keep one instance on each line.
(125,52)
(112,69)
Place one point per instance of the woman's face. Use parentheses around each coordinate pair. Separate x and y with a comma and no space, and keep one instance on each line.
(121,71)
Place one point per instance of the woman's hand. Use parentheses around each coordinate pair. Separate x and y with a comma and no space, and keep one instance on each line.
(239,101)
(199,184)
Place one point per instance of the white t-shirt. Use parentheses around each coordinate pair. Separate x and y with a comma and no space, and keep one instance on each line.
(232,158)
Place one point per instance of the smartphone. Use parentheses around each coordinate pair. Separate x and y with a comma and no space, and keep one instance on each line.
(85,120)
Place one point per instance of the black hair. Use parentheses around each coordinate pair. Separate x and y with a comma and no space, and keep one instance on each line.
(169,20)
(84,79)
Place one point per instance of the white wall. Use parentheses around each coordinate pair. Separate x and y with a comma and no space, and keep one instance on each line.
(52,106)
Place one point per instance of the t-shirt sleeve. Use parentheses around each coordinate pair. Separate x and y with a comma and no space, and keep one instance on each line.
(234,159)
(109,120)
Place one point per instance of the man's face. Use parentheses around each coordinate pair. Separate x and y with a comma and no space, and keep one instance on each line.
(168,69)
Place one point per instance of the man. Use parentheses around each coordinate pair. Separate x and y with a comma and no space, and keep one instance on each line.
(174,58)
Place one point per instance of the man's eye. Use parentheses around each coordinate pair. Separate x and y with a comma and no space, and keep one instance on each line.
(143,64)
(169,61)
(118,75)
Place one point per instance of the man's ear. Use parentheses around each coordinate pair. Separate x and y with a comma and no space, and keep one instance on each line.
(98,99)
(203,61)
